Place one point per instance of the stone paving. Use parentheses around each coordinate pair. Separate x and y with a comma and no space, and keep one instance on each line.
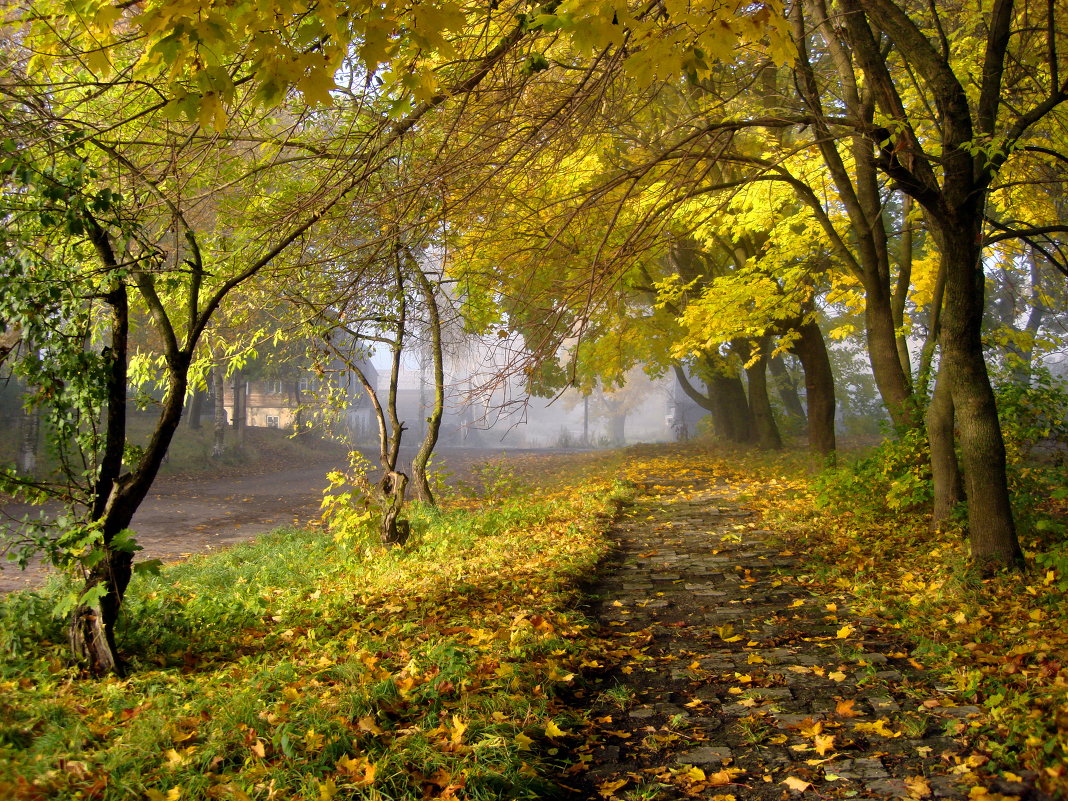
(726,678)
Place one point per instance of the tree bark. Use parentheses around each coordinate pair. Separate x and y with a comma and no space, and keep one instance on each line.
(819,387)
(196,409)
(767,433)
(218,385)
(992,531)
(433,420)
(786,387)
(29,439)
(945,470)
(240,417)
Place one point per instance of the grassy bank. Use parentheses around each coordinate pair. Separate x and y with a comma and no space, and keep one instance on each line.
(300,667)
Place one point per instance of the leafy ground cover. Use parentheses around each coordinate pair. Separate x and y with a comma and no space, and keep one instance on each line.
(1000,640)
(304,667)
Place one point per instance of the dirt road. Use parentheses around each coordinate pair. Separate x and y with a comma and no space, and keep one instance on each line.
(184,516)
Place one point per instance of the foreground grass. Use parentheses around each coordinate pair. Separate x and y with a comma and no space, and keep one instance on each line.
(296,667)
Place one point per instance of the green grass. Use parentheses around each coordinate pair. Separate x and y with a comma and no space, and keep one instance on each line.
(301,667)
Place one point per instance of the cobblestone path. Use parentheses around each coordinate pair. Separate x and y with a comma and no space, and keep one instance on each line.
(729,679)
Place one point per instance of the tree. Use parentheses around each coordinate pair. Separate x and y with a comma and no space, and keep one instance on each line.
(948,164)
(178,240)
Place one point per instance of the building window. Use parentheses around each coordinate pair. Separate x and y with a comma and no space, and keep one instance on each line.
(274,387)
(305,384)
(272,422)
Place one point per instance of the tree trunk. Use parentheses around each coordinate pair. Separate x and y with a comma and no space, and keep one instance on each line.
(882,339)
(433,420)
(29,437)
(196,409)
(240,416)
(393,531)
(945,470)
(901,289)
(992,532)
(218,384)
(92,626)
(731,417)
(786,387)
(767,433)
(819,387)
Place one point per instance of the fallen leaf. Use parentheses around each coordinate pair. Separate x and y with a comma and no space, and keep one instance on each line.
(824,743)
(844,708)
(796,784)
(608,788)
(918,787)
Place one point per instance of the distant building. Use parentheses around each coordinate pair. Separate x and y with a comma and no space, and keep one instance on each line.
(336,396)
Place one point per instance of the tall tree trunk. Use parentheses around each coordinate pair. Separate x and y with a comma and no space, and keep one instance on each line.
(196,409)
(992,532)
(767,433)
(218,389)
(29,439)
(433,420)
(786,387)
(92,626)
(819,387)
(882,339)
(945,470)
(240,416)
(901,288)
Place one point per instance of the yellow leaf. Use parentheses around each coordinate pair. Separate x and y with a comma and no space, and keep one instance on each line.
(844,708)
(258,749)
(845,632)
(878,727)
(695,774)
(918,787)
(796,784)
(552,730)
(824,743)
(837,676)
(327,790)
(523,741)
(608,788)
(797,602)
(458,729)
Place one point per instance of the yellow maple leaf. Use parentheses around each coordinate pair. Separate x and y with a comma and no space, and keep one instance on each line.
(824,743)
(552,730)
(523,742)
(845,632)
